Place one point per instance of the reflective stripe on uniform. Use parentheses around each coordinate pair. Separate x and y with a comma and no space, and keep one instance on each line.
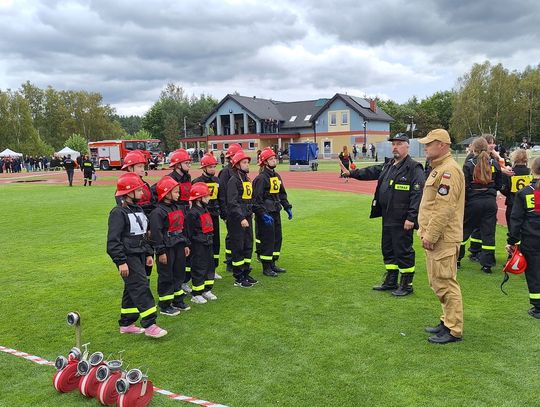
(473,240)
(148,312)
(209,282)
(129,311)
(270,258)
(167,297)
(488,247)
(197,287)
(464,242)
(248,261)
(227,251)
(188,269)
(257,241)
(391,267)
(237,263)
(179,293)
(216,256)
(276,253)
(534,296)
(407,270)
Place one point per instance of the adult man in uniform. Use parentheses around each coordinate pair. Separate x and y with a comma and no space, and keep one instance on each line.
(70,166)
(441,230)
(397,197)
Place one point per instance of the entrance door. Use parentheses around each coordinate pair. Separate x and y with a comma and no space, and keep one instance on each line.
(327,149)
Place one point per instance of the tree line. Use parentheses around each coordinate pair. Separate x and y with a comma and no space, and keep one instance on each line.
(487,99)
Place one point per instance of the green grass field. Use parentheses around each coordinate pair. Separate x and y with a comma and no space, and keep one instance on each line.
(316,336)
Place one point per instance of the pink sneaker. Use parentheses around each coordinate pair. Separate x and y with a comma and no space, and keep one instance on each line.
(155,331)
(131,329)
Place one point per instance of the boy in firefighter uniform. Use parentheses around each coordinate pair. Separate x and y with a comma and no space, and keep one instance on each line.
(87,167)
(397,198)
(482,181)
(440,220)
(208,166)
(224,176)
(128,248)
(181,164)
(200,231)
(239,220)
(269,196)
(171,246)
(135,162)
(525,228)
(514,183)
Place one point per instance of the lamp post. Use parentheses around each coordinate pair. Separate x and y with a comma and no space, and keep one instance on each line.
(365,133)
(412,126)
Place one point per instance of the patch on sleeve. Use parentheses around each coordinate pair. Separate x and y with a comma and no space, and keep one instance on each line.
(416,187)
(443,189)
(446,175)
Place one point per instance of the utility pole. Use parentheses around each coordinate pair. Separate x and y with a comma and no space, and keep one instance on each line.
(412,126)
(185,128)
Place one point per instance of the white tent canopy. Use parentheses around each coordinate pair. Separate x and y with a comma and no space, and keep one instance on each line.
(66,150)
(10,153)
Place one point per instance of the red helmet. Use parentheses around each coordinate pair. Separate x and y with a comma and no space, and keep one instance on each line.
(233,149)
(127,183)
(265,155)
(516,264)
(207,160)
(132,158)
(164,186)
(179,156)
(239,156)
(198,190)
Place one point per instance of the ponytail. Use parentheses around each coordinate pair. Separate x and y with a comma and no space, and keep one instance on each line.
(535,168)
(482,170)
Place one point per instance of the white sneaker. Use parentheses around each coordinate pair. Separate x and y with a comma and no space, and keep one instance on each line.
(209,295)
(217,276)
(198,299)
(186,288)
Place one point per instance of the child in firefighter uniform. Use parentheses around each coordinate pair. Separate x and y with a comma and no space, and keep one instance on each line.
(224,176)
(171,246)
(514,183)
(482,181)
(87,167)
(269,196)
(239,220)
(200,231)
(128,248)
(525,227)
(135,162)
(208,166)
(181,164)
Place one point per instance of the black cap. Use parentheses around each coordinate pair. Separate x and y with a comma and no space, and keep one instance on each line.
(399,137)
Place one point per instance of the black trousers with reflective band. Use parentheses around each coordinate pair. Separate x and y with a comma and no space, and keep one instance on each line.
(530,247)
(202,268)
(241,244)
(171,275)
(397,248)
(216,242)
(269,237)
(137,299)
(481,213)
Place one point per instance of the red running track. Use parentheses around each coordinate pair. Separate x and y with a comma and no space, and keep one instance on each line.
(327,181)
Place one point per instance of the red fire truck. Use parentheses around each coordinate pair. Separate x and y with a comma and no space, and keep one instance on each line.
(109,154)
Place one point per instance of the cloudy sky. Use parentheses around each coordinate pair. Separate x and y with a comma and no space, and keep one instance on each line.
(128,50)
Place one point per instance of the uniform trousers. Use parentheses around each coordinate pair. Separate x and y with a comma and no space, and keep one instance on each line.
(216,241)
(269,237)
(530,247)
(397,248)
(241,246)
(441,265)
(202,268)
(171,276)
(137,299)
(481,213)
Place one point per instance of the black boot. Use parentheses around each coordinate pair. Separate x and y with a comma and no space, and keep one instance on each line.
(389,283)
(277,269)
(267,269)
(405,285)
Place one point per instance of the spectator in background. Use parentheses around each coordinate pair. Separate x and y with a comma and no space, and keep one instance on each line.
(372,150)
(222,158)
(364,151)
(354,151)
(345,159)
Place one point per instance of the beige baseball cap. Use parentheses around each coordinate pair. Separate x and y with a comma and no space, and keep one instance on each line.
(437,134)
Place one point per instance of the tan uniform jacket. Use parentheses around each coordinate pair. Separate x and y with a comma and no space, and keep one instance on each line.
(443,203)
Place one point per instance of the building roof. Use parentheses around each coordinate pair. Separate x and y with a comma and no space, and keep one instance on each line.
(360,105)
(297,114)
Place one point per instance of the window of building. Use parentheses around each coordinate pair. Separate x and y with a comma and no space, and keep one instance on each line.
(214,146)
(225,146)
(307,117)
(251,145)
(344,117)
(333,119)
(292,119)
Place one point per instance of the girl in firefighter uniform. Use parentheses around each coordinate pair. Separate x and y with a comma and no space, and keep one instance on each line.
(208,165)
(128,248)
(239,220)
(525,228)
(200,231)
(269,196)
(135,162)
(171,246)
(482,181)
(514,183)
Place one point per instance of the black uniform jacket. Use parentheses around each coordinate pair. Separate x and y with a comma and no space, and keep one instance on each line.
(525,217)
(224,176)
(167,226)
(474,190)
(184,180)
(199,225)
(402,190)
(239,194)
(69,164)
(87,167)
(127,233)
(514,183)
(213,186)
(269,194)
